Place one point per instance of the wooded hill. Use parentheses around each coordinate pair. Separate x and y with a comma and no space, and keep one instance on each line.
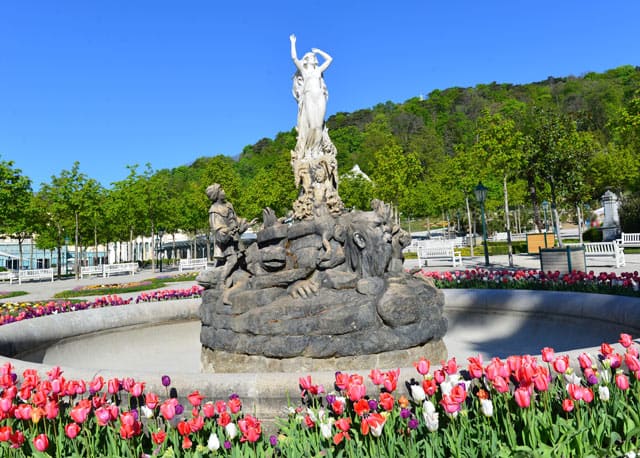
(577,135)
(565,139)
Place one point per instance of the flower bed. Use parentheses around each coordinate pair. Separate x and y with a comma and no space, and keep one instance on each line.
(523,404)
(627,283)
(12,312)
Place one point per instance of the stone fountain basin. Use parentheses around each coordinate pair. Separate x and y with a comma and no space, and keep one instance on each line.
(487,322)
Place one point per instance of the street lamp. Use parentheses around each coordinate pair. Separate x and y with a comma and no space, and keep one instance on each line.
(481,195)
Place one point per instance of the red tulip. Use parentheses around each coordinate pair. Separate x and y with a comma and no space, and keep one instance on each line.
(158,437)
(606,349)
(5,433)
(625,340)
(475,366)
(567,405)
(250,428)
(195,398)
(386,401)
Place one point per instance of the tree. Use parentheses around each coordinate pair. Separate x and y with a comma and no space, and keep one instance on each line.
(500,146)
(15,204)
(69,198)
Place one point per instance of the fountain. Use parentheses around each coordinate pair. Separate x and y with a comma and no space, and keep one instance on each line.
(323,289)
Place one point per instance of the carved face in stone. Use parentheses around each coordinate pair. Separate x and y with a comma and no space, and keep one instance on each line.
(368,244)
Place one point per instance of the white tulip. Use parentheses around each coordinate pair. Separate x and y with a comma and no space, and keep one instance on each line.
(213,443)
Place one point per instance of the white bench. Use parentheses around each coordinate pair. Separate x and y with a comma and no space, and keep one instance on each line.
(630,239)
(439,251)
(35,274)
(603,249)
(8,275)
(110,269)
(195,263)
(91,270)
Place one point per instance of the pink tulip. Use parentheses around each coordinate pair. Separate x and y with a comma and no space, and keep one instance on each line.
(522,397)
(41,442)
(72,430)
(449,405)
(422,366)
(500,384)
(548,354)
(585,360)
(632,362)
(561,364)
(622,381)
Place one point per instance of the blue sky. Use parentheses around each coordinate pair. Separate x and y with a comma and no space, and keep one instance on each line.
(120,82)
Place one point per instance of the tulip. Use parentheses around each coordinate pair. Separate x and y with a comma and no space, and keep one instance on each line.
(603,393)
(361,407)
(522,397)
(584,360)
(422,366)
(567,405)
(41,442)
(622,381)
(72,430)
(235,404)
(417,393)
(213,443)
(250,428)
(325,429)
(547,354)
(158,437)
(195,398)
(561,364)
(486,406)
(231,430)
(475,366)
(625,340)
(430,415)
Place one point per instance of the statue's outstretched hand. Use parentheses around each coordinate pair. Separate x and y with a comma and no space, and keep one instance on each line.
(292,37)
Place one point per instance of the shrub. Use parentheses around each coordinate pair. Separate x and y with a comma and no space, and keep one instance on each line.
(593,234)
(629,213)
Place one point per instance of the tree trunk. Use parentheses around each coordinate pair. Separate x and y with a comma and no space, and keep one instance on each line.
(471,233)
(507,220)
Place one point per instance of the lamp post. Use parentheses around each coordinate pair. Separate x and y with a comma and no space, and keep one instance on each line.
(545,210)
(160,235)
(481,195)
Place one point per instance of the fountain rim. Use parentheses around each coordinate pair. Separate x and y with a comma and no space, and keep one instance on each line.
(604,308)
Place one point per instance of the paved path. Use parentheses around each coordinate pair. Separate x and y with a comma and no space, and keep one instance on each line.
(43,290)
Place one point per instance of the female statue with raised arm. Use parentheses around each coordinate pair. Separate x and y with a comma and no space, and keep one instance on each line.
(311,94)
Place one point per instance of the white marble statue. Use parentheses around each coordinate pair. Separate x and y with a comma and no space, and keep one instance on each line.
(311,94)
